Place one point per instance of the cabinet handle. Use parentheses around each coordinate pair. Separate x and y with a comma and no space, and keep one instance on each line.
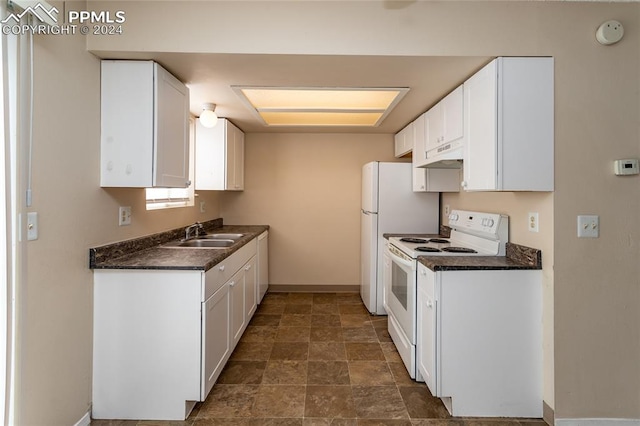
(221,268)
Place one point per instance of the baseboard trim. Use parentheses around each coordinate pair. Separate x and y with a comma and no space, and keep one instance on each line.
(300,288)
(547,414)
(597,422)
(85,420)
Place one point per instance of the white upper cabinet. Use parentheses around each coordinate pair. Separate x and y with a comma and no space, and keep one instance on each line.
(144,126)
(403,141)
(443,125)
(219,157)
(430,180)
(508,126)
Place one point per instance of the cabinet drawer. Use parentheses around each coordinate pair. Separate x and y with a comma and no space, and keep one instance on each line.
(216,277)
(220,274)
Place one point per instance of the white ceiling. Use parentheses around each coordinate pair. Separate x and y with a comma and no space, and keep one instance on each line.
(211,76)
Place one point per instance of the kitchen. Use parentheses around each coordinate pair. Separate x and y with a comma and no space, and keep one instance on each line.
(590,96)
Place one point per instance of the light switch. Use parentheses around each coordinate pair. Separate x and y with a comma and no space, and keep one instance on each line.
(588,226)
(32,226)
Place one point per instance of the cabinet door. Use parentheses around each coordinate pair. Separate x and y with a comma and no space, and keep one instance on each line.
(126,124)
(234,157)
(238,160)
(236,288)
(427,328)
(419,179)
(433,127)
(216,338)
(171,135)
(250,291)
(453,116)
(480,129)
(401,142)
(210,156)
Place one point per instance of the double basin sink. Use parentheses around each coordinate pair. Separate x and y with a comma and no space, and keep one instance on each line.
(210,241)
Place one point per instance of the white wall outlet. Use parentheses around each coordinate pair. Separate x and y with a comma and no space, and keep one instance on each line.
(32,226)
(202,209)
(447,209)
(532,222)
(588,226)
(124,216)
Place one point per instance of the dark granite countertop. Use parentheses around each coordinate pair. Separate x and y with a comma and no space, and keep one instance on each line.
(148,253)
(517,257)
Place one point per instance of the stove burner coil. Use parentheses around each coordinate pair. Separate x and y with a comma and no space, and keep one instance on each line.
(413,240)
(438,240)
(427,249)
(459,250)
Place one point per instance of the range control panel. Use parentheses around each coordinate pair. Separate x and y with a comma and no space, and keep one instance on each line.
(489,224)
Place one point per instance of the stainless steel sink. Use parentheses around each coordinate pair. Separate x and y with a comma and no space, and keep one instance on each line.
(228,236)
(202,243)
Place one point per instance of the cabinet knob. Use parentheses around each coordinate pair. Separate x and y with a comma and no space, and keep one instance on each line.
(247,267)
(429,304)
(221,268)
(232,284)
(463,184)
(187,184)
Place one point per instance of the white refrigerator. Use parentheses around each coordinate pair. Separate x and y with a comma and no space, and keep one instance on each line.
(389,205)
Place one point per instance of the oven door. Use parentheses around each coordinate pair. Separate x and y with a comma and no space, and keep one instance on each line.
(401,291)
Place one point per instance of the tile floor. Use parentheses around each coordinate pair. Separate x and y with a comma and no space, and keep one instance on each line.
(318,359)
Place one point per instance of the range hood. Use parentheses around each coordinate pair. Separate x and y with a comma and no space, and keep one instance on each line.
(445,156)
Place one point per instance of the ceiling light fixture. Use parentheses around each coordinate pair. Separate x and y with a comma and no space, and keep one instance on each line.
(320,106)
(208,117)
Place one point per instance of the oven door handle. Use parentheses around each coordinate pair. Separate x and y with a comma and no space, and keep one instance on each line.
(401,261)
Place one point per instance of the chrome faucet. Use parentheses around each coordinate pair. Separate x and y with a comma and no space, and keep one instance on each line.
(187,231)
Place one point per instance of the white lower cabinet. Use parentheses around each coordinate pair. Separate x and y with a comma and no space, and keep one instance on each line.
(216,337)
(237,290)
(162,337)
(479,340)
(250,288)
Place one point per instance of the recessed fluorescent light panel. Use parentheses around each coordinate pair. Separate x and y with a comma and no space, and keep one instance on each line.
(321,106)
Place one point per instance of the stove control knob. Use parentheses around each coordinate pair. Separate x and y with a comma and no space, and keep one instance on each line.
(453,217)
(490,222)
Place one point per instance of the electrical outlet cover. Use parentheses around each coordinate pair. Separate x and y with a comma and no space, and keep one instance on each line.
(532,222)
(124,216)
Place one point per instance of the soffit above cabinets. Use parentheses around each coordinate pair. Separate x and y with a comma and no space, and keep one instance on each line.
(212,78)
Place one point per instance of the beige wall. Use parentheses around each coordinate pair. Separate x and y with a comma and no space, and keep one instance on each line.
(596,292)
(307,188)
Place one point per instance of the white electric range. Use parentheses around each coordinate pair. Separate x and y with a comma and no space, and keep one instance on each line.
(472,234)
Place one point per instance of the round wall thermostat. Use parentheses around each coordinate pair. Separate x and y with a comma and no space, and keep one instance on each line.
(609,32)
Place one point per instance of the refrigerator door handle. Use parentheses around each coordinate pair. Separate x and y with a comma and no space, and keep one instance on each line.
(367,212)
